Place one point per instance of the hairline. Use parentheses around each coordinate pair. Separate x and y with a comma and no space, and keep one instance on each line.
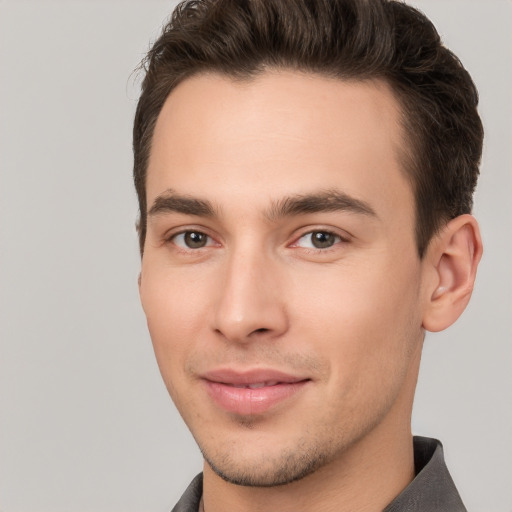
(407,150)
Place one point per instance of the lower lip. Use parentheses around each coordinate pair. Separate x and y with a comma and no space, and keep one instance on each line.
(247,401)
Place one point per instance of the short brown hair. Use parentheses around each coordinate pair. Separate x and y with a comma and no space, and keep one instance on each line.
(347,39)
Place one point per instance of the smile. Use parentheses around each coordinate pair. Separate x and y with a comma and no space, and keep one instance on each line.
(251,393)
(256,385)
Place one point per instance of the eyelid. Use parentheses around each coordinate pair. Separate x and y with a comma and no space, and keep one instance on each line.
(344,237)
(171,234)
(182,245)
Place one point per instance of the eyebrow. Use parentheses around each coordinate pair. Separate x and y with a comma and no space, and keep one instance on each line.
(301,204)
(324,201)
(170,201)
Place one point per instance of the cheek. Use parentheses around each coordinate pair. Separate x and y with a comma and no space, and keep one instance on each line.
(175,312)
(366,319)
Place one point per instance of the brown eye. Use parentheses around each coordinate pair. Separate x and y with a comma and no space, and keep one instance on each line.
(191,240)
(195,240)
(323,239)
(318,240)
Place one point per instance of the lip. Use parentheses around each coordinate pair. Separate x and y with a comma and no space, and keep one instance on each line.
(251,392)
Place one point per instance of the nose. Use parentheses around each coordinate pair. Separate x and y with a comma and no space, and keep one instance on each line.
(251,305)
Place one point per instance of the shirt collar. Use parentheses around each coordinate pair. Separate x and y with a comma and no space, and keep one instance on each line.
(433,489)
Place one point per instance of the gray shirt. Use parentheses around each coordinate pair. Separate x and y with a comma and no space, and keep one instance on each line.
(432,490)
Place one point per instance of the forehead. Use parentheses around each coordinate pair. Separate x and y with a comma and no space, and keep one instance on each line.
(281,132)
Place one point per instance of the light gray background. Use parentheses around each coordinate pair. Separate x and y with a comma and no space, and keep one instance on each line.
(85,421)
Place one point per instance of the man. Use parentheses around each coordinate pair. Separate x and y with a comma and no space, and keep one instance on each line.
(305,172)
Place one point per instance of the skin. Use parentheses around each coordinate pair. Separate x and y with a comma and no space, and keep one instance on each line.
(349,318)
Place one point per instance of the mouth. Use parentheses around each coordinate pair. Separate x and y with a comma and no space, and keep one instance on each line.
(252,392)
(256,385)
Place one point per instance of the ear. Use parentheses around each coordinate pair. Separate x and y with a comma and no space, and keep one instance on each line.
(451,262)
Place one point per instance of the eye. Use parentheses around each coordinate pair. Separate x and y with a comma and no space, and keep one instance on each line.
(191,240)
(318,240)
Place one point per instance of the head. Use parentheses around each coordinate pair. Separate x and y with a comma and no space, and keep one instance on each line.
(351,39)
(304,173)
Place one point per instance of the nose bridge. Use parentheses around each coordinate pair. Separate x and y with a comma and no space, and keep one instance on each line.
(251,302)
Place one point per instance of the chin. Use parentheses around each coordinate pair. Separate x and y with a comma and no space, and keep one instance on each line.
(264,470)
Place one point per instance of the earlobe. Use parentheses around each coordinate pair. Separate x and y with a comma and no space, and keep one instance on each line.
(452,260)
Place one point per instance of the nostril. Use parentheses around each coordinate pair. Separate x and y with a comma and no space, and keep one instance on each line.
(262,330)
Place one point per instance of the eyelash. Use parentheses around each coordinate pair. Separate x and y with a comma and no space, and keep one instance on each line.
(172,239)
(337,240)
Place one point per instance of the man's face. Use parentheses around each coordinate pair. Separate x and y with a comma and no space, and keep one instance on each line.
(280,275)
